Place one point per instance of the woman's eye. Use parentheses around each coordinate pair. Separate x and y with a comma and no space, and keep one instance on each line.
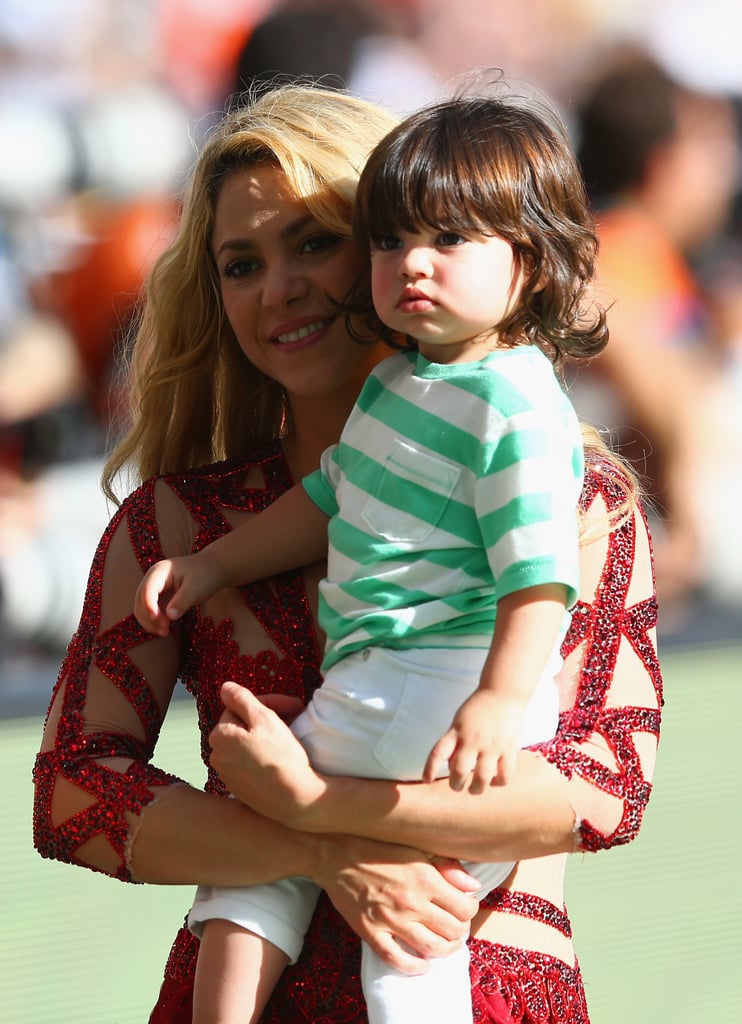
(387,242)
(239,268)
(319,242)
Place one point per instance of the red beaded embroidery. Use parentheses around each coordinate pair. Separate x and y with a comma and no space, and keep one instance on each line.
(509,985)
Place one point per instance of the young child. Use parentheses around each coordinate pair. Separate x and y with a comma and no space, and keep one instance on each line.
(452,507)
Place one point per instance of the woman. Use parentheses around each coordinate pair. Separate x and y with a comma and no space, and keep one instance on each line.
(241,356)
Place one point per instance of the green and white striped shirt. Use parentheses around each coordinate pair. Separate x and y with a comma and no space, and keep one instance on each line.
(451,486)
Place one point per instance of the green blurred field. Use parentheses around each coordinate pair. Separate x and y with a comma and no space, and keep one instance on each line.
(657,923)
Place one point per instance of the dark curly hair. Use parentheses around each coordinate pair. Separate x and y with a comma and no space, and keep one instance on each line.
(495,166)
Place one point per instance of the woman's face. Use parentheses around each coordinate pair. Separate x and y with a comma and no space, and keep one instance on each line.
(276,266)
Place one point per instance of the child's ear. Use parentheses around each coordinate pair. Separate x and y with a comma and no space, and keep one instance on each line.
(530,269)
(540,282)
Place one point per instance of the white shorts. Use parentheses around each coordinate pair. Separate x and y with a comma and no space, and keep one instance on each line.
(376,715)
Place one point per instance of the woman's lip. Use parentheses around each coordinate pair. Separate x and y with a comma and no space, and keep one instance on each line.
(301,334)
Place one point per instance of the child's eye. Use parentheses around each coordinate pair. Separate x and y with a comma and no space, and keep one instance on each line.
(449,238)
(319,242)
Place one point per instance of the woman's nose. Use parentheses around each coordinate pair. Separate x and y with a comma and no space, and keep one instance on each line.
(281,285)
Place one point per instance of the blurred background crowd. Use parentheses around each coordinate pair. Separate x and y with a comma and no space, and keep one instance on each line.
(102,106)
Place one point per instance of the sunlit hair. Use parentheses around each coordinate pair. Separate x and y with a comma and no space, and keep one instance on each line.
(602,461)
(495,165)
(194,396)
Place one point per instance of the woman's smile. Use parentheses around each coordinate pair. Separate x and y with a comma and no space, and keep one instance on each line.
(309,333)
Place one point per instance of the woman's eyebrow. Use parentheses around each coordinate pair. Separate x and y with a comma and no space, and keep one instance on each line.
(246,244)
(235,245)
(297,226)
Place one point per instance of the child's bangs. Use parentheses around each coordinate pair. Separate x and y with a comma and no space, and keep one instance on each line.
(419,188)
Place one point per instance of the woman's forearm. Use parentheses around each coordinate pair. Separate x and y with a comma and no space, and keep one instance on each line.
(384,892)
(529,817)
(187,837)
(264,766)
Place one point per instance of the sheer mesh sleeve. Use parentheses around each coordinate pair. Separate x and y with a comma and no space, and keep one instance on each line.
(94,774)
(107,708)
(611,685)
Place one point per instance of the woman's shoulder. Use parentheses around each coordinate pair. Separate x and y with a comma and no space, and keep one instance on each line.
(248,482)
(609,478)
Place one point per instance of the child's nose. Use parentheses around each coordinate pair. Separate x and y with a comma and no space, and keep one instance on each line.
(416,262)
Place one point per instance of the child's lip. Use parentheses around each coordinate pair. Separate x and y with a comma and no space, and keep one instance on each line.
(413,300)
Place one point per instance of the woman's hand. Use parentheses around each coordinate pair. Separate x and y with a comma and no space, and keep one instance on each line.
(405,906)
(260,761)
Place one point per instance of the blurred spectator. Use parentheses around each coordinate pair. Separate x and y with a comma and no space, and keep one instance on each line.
(93,148)
(40,367)
(49,528)
(661,163)
(547,43)
(371,49)
(198,43)
(277,45)
(51,511)
(720,274)
(698,45)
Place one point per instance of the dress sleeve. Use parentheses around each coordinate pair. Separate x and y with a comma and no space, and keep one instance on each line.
(611,684)
(93,775)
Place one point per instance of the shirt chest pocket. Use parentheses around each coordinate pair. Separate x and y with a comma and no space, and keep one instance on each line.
(410,494)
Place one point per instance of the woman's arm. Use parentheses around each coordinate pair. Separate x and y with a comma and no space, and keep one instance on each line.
(588,787)
(263,765)
(102,804)
(384,891)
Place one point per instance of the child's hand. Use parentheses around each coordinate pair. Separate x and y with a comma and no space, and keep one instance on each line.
(481,744)
(171,587)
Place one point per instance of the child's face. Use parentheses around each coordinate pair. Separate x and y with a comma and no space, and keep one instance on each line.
(447,290)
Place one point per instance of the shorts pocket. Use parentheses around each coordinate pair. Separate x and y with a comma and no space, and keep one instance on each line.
(425,711)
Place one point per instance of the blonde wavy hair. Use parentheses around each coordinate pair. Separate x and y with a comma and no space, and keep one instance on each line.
(193,396)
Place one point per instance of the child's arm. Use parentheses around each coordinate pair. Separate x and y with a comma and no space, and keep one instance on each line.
(288,534)
(485,733)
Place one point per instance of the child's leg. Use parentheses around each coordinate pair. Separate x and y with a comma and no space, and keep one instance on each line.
(441,996)
(236,973)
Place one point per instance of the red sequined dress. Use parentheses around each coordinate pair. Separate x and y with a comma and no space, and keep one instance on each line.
(94,774)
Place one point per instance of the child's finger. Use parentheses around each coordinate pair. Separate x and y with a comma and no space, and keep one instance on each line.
(438,756)
(460,767)
(160,626)
(185,597)
(156,624)
(176,607)
(486,773)
(154,584)
(147,600)
(506,769)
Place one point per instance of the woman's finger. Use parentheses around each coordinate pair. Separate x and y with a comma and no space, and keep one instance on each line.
(395,955)
(456,874)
